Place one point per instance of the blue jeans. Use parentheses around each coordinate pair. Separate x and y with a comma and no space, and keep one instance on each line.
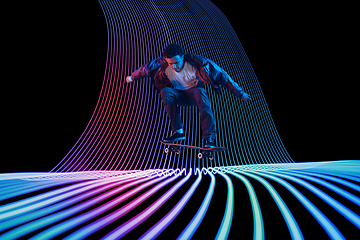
(197,96)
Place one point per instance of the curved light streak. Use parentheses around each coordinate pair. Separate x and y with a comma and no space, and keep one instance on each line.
(289,218)
(338,190)
(258,221)
(228,214)
(343,210)
(109,204)
(129,120)
(328,226)
(168,218)
(101,187)
(191,228)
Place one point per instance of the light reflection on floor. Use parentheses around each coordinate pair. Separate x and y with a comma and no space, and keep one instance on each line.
(297,200)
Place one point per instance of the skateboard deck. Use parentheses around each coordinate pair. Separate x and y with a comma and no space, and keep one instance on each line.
(205,152)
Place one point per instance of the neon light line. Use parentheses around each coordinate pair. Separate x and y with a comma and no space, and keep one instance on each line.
(227,219)
(258,221)
(60,214)
(199,216)
(338,174)
(31,201)
(157,229)
(120,212)
(58,205)
(18,188)
(288,217)
(75,221)
(335,179)
(117,163)
(341,192)
(44,210)
(138,219)
(42,222)
(327,225)
(343,210)
(137,33)
(40,200)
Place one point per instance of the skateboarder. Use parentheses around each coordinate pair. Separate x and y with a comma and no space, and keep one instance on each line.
(180,78)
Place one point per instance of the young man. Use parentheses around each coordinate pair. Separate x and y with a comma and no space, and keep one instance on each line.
(180,77)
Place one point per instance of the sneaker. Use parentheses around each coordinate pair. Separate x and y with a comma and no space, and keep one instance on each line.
(209,143)
(175,137)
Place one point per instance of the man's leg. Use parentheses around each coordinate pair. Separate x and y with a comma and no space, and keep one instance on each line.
(170,97)
(200,98)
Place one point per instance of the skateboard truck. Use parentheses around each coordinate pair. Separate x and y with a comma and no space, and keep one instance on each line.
(205,155)
(174,149)
(205,152)
(177,150)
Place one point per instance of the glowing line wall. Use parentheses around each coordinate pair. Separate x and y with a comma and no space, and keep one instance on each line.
(129,119)
(132,190)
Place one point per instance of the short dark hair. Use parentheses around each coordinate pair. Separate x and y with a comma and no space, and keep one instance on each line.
(172,50)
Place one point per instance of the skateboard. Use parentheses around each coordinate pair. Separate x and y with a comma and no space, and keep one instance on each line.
(205,152)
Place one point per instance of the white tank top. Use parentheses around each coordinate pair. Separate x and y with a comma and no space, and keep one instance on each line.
(183,80)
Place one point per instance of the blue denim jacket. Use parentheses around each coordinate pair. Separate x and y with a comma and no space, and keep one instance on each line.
(206,71)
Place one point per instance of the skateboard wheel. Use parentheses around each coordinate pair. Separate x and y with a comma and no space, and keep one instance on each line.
(167,150)
(178,151)
(211,157)
(200,156)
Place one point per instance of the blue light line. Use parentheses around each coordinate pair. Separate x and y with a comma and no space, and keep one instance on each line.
(341,192)
(71,208)
(47,220)
(335,179)
(327,225)
(258,221)
(289,218)
(160,226)
(18,188)
(338,174)
(227,219)
(93,227)
(127,124)
(191,228)
(343,210)
(138,31)
(43,211)
(32,203)
(138,219)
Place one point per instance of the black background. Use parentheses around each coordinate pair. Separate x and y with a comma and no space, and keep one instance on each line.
(303,56)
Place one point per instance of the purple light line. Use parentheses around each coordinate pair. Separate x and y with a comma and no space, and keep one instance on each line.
(139,218)
(191,228)
(168,218)
(84,204)
(328,226)
(129,120)
(60,202)
(102,187)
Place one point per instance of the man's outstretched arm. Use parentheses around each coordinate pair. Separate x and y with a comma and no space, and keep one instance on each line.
(144,71)
(221,77)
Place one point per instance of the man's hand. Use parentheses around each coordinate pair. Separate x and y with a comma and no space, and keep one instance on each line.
(128,79)
(245,97)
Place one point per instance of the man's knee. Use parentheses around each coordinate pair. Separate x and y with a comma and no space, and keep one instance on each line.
(168,95)
(201,97)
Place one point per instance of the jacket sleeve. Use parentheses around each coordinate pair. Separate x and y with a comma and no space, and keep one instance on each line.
(220,77)
(145,70)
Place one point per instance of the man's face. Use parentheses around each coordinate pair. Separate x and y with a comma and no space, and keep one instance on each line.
(176,62)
